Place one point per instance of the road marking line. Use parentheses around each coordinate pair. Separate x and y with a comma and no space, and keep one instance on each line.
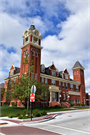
(68,128)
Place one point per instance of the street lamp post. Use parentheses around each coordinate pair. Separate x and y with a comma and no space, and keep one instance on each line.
(60,98)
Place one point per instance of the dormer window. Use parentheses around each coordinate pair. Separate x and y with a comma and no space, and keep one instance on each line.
(11,72)
(66,76)
(53,73)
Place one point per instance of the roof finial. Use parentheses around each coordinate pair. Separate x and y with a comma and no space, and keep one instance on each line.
(52,63)
(32,17)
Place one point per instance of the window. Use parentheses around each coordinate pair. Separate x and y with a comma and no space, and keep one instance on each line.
(63,96)
(66,76)
(53,82)
(42,80)
(26,51)
(53,96)
(24,54)
(11,72)
(32,53)
(72,101)
(71,86)
(35,77)
(45,80)
(63,85)
(31,76)
(53,73)
(26,39)
(77,101)
(66,96)
(36,54)
(75,72)
(66,85)
(59,84)
(77,89)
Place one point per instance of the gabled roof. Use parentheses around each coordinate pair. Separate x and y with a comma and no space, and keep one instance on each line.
(77,65)
(17,70)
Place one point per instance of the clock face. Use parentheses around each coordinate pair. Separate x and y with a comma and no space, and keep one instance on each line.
(36,33)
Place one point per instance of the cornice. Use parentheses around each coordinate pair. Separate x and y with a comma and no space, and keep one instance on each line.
(59,79)
(13,76)
(74,93)
(30,43)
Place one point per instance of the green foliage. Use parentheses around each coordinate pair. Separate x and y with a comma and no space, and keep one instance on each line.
(24,117)
(20,117)
(82,104)
(28,113)
(24,113)
(17,114)
(58,106)
(11,115)
(71,103)
(14,104)
(44,113)
(36,113)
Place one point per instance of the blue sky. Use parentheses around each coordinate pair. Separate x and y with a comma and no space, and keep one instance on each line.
(63,24)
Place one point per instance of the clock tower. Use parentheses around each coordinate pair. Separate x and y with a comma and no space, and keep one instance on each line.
(32,47)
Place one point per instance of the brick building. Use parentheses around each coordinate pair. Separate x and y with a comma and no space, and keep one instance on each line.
(62,88)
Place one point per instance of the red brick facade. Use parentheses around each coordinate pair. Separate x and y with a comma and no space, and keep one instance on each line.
(62,88)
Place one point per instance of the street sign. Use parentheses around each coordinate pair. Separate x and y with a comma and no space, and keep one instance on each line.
(33,89)
(32,97)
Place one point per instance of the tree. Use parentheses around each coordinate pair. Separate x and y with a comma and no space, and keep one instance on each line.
(22,86)
(8,93)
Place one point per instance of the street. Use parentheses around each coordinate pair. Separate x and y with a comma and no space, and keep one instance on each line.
(76,123)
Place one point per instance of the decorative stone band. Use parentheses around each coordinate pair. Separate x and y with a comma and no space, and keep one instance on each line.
(30,43)
(54,88)
(74,93)
(59,79)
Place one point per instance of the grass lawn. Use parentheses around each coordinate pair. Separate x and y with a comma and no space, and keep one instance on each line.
(81,107)
(6,110)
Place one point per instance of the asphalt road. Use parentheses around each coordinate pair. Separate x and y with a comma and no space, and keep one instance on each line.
(75,123)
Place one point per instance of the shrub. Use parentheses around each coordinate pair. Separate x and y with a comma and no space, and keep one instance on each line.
(24,113)
(28,113)
(58,106)
(17,114)
(11,115)
(82,105)
(14,104)
(36,113)
(44,113)
(20,117)
(71,103)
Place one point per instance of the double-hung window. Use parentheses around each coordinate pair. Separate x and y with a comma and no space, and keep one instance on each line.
(59,84)
(63,85)
(45,80)
(66,85)
(35,77)
(77,89)
(42,80)
(71,86)
(53,82)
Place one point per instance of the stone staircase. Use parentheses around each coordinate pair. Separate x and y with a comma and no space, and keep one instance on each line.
(65,104)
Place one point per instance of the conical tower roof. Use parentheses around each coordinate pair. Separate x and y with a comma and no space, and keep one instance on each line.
(77,65)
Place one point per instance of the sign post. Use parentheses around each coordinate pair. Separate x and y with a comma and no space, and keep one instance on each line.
(32,97)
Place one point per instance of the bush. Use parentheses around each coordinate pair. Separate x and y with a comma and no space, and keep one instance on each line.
(58,106)
(44,113)
(28,113)
(17,114)
(20,117)
(82,105)
(24,113)
(11,115)
(36,113)
(71,103)
(14,104)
